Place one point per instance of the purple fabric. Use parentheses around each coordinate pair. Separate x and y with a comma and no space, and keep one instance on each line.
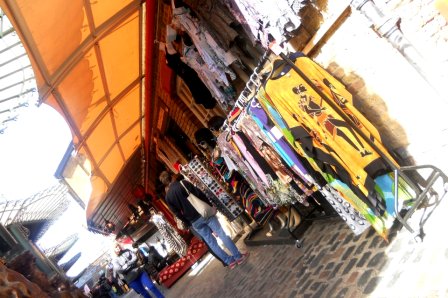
(281,144)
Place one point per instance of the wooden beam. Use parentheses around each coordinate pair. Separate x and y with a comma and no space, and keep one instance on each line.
(325,32)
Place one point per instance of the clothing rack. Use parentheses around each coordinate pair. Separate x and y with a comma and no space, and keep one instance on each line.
(251,87)
(254,82)
(422,191)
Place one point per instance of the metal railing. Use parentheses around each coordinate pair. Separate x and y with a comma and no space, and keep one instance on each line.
(45,205)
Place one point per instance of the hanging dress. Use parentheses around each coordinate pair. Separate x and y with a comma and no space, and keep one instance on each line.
(322,134)
(198,89)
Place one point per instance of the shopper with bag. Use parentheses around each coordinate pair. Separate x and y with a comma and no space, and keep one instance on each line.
(126,267)
(193,208)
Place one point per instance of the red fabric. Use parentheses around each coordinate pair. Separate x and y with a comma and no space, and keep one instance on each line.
(177,166)
(169,275)
(166,78)
(139,192)
(126,240)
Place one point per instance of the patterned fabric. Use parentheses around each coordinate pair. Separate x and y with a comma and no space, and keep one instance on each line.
(215,57)
(320,133)
(265,19)
(239,187)
(266,149)
(278,140)
(217,87)
(322,137)
(169,275)
(217,18)
(229,151)
(296,5)
(169,234)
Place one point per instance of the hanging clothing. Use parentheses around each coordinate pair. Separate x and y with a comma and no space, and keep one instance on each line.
(285,108)
(200,92)
(260,172)
(323,134)
(258,163)
(230,151)
(218,20)
(225,94)
(263,145)
(169,234)
(241,190)
(215,57)
(277,133)
(335,192)
(266,20)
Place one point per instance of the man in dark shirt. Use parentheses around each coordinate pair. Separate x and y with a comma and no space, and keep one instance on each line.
(177,200)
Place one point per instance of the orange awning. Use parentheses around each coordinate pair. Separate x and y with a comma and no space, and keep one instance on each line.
(89,65)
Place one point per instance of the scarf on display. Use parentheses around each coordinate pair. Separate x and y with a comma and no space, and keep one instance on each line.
(241,189)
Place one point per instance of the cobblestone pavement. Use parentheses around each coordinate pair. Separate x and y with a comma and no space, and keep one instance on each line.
(331,263)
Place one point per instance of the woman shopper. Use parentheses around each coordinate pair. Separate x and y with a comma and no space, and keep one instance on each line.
(177,200)
(125,265)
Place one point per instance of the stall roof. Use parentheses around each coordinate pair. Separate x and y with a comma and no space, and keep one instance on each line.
(88,58)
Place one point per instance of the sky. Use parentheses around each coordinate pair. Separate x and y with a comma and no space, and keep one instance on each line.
(31,149)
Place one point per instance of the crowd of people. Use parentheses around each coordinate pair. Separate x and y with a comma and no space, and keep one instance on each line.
(137,268)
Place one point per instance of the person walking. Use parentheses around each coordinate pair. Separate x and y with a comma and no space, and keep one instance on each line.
(125,264)
(177,200)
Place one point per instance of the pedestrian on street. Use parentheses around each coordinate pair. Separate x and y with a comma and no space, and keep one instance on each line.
(125,265)
(177,200)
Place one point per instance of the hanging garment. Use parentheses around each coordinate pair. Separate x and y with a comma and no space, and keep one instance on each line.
(231,152)
(218,20)
(170,235)
(323,134)
(263,145)
(278,193)
(200,92)
(241,20)
(343,193)
(266,20)
(278,139)
(381,224)
(216,58)
(224,94)
(258,163)
(241,190)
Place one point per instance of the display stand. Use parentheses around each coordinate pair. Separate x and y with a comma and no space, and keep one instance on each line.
(424,191)
(213,189)
(428,193)
(263,234)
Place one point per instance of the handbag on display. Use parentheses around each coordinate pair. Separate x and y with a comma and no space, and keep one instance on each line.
(204,209)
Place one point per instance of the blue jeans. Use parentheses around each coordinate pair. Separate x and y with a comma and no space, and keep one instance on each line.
(143,281)
(205,227)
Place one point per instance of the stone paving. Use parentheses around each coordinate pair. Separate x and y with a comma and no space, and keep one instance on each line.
(331,263)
